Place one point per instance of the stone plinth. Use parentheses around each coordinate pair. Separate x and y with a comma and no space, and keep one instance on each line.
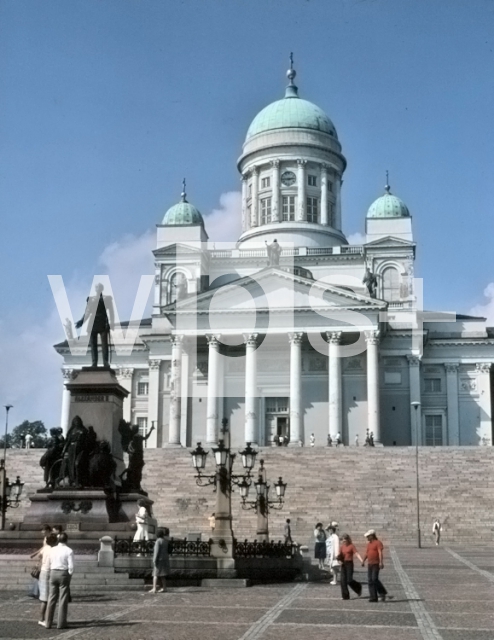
(97,397)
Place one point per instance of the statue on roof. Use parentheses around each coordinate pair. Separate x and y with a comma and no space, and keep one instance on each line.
(370,281)
(274,253)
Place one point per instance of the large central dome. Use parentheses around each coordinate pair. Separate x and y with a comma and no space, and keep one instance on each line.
(291,112)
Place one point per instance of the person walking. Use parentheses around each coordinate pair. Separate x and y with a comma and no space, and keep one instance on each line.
(333,552)
(287,532)
(375,562)
(49,541)
(436,530)
(312,441)
(61,566)
(142,531)
(161,560)
(347,552)
(320,546)
(212,521)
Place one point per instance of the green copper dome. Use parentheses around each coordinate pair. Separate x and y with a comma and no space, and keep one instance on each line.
(291,113)
(388,206)
(182,213)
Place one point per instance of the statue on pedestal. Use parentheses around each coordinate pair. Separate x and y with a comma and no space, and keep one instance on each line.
(133,444)
(99,310)
(274,253)
(51,460)
(370,281)
(74,455)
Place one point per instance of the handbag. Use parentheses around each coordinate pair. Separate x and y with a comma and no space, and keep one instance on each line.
(35,571)
(340,557)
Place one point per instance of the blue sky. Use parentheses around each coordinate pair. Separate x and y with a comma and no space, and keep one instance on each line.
(106,105)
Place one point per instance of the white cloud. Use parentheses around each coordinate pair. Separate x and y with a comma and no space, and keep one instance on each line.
(356,238)
(486,310)
(225,223)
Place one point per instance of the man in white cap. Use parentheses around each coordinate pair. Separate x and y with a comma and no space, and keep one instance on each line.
(374,557)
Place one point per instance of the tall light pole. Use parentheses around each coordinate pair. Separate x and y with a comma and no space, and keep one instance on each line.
(3,471)
(8,407)
(416,406)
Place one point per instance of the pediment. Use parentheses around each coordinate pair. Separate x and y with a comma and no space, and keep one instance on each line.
(275,289)
(177,248)
(389,241)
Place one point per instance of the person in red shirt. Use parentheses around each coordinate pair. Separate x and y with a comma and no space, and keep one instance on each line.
(374,557)
(347,551)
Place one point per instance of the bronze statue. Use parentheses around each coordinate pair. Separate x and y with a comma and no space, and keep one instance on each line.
(101,466)
(51,460)
(74,455)
(370,281)
(99,310)
(133,444)
(274,253)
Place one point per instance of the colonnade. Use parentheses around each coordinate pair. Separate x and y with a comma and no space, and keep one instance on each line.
(326,217)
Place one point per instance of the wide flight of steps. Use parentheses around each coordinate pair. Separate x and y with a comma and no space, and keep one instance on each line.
(15,575)
(359,487)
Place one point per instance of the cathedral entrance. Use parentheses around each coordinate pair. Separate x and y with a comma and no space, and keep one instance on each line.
(277,420)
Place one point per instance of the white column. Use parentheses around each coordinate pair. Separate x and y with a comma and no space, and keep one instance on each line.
(337,187)
(301,213)
(125,376)
(251,430)
(452,400)
(414,375)
(373,420)
(154,403)
(174,423)
(186,393)
(275,203)
(212,417)
(484,390)
(68,374)
(324,195)
(254,203)
(296,409)
(245,216)
(334,368)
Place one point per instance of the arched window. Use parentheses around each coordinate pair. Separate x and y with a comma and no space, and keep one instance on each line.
(391,284)
(178,286)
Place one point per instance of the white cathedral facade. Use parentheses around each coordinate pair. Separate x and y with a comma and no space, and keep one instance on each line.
(291,331)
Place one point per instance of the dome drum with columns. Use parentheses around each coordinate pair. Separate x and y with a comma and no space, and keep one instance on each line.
(260,333)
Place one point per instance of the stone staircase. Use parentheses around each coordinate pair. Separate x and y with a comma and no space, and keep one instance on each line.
(358,487)
(15,575)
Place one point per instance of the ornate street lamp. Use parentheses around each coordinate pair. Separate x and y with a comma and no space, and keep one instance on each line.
(416,405)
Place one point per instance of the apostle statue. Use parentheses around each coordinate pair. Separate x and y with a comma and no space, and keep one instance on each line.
(370,281)
(274,253)
(99,315)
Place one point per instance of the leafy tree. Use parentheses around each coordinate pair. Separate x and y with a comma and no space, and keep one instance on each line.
(2,443)
(37,430)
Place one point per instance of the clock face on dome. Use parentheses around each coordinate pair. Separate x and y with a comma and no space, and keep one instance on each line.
(288,178)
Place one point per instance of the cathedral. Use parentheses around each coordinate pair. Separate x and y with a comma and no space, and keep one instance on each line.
(291,334)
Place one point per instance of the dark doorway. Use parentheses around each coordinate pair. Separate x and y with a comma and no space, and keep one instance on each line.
(282,427)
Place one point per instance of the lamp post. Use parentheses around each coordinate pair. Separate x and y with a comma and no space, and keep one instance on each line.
(10,493)
(222,480)
(416,406)
(262,504)
(8,407)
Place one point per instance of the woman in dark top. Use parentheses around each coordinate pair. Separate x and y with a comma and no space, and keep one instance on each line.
(161,560)
(320,546)
(347,551)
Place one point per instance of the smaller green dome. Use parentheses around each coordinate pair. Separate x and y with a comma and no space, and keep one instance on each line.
(183,213)
(388,206)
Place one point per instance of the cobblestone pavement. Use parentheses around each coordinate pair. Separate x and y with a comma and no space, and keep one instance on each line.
(438,594)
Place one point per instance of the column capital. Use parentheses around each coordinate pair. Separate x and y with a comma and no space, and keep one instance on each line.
(176,340)
(67,374)
(125,372)
(255,170)
(154,365)
(414,361)
(295,338)
(372,337)
(324,166)
(483,367)
(244,177)
(301,162)
(213,339)
(334,337)
(451,367)
(275,163)
(250,339)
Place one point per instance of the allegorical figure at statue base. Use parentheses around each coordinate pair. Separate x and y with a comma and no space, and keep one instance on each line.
(133,444)
(99,315)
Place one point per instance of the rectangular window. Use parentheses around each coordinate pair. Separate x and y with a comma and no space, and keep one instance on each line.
(142,423)
(142,388)
(312,210)
(265,210)
(312,180)
(432,385)
(392,377)
(330,186)
(250,189)
(288,208)
(434,430)
(265,183)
